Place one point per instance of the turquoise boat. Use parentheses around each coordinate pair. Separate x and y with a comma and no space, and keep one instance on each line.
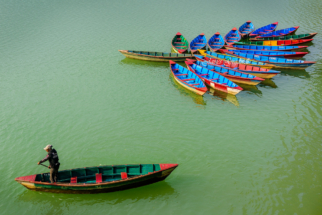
(264,48)
(281,54)
(98,179)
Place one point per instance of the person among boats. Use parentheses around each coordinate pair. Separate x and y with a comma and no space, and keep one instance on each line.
(53,160)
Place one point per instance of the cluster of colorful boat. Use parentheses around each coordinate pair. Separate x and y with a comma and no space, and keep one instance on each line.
(221,62)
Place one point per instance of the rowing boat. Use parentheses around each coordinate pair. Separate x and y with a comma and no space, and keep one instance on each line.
(282,63)
(232,36)
(179,44)
(214,80)
(289,37)
(155,56)
(246,28)
(231,74)
(200,42)
(264,48)
(188,79)
(281,54)
(280,33)
(277,42)
(99,179)
(253,70)
(235,59)
(216,42)
(264,30)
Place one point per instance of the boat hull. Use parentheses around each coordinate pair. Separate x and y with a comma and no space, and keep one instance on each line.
(153,58)
(98,188)
(310,36)
(199,92)
(221,88)
(286,49)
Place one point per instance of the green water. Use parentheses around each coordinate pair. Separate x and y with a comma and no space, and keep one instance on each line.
(63,82)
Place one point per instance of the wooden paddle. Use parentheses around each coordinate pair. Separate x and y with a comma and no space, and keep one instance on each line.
(44,165)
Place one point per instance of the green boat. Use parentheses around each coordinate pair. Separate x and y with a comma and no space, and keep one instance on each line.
(99,179)
(155,56)
(179,44)
(289,37)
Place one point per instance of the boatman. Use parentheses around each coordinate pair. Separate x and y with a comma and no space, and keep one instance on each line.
(54,164)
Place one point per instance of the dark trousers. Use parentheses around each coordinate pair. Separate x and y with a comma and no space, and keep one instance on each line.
(54,174)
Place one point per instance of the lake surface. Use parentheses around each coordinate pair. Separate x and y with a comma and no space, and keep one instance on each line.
(63,82)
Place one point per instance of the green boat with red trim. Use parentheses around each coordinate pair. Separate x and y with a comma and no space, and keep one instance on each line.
(98,179)
(179,44)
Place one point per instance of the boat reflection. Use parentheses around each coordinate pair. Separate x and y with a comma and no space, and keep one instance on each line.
(300,73)
(61,202)
(134,62)
(268,82)
(183,91)
(250,88)
(223,96)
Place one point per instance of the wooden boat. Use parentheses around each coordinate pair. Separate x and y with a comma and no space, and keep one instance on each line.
(231,74)
(280,33)
(264,30)
(214,80)
(246,28)
(264,48)
(289,37)
(235,59)
(200,42)
(99,179)
(239,67)
(179,44)
(187,79)
(155,56)
(232,36)
(282,63)
(216,42)
(276,42)
(282,54)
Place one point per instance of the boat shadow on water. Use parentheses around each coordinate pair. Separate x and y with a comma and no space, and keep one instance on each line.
(223,96)
(62,201)
(299,73)
(135,62)
(268,83)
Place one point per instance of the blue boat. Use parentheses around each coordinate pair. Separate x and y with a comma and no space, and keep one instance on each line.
(281,54)
(188,79)
(264,48)
(282,63)
(264,30)
(235,59)
(280,33)
(232,36)
(214,80)
(231,74)
(246,28)
(216,42)
(239,67)
(200,42)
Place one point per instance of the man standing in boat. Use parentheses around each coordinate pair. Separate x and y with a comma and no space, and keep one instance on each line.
(54,164)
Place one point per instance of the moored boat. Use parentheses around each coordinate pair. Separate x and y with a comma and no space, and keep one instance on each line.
(253,70)
(200,42)
(216,42)
(232,36)
(179,44)
(214,80)
(98,179)
(264,48)
(277,42)
(246,28)
(282,54)
(289,37)
(282,63)
(235,59)
(280,33)
(231,74)
(188,79)
(155,56)
(264,30)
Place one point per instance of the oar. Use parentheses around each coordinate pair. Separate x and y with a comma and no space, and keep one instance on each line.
(44,165)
